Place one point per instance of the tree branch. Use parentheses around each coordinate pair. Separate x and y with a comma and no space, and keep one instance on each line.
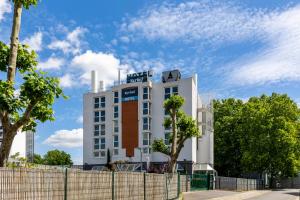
(26,116)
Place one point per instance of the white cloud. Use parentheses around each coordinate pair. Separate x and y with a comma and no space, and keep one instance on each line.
(5,7)
(279,60)
(35,41)
(79,119)
(66,138)
(52,63)
(66,81)
(107,66)
(209,21)
(72,44)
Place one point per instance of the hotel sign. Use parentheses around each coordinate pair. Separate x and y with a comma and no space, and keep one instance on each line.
(130,94)
(139,77)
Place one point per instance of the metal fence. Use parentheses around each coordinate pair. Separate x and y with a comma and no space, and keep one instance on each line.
(68,184)
(292,182)
(238,184)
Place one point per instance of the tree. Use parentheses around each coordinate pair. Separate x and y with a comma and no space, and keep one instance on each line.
(227,133)
(272,136)
(37,159)
(183,127)
(37,92)
(56,157)
(258,136)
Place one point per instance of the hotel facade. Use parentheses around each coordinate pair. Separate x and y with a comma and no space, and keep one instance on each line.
(127,117)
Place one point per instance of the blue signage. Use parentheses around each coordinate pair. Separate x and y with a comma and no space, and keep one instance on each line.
(130,94)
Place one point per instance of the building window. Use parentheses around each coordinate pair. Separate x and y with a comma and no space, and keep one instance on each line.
(146,108)
(96,102)
(167,138)
(116,152)
(145,93)
(96,130)
(102,129)
(116,126)
(102,140)
(146,150)
(175,90)
(146,123)
(146,139)
(116,141)
(167,92)
(96,116)
(96,154)
(116,97)
(102,102)
(96,144)
(102,154)
(102,116)
(116,111)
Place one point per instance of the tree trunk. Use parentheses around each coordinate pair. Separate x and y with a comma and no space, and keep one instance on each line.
(172,163)
(8,138)
(14,42)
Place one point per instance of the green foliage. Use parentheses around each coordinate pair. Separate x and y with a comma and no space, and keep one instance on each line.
(56,157)
(173,104)
(159,145)
(227,133)
(26,3)
(37,159)
(37,91)
(261,135)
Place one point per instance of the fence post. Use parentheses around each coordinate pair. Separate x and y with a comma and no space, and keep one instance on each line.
(113,186)
(187,182)
(178,183)
(166,175)
(236,184)
(66,184)
(144,185)
(247,184)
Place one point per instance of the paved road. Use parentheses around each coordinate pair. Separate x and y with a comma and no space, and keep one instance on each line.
(286,194)
(203,195)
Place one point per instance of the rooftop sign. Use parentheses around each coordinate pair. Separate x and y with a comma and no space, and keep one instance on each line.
(139,77)
(169,76)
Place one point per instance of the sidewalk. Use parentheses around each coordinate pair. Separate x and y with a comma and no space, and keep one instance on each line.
(222,195)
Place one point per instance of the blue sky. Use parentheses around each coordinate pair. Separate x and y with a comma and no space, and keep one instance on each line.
(239,48)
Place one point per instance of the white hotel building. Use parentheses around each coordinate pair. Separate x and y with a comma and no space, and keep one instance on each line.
(127,117)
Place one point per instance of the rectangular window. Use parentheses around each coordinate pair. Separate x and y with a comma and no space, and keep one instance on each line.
(146,139)
(102,116)
(116,111)
(96,130)
(96,116)
(145,123)
(96,102)
(96,144)
(145,93)
(102,143)
(145,108)
(167,138)
(102,102)
(102,129)
(116,126)
(102,154)
(116,97)
(175,90)
(96,154)
(116,152)
(167,92)
(146,150)
(116,141)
